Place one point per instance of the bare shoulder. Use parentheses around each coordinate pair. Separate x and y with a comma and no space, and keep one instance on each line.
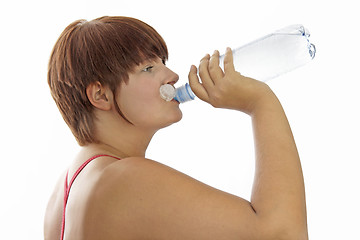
(153,176)
(53,213)
(138,168)
(142,198)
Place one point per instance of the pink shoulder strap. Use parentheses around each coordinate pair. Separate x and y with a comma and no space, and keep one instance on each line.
(67,187)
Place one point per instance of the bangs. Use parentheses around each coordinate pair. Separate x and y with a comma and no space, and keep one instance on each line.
(125,43)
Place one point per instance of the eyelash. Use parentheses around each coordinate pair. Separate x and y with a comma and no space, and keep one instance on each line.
(148,69)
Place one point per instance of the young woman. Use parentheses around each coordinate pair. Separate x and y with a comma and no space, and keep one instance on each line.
(105,76)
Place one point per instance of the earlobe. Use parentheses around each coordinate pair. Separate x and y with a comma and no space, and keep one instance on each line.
(99,96)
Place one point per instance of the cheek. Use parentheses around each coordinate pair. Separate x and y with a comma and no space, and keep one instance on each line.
(147,94)
(145,98)
(140,104)
(135,94)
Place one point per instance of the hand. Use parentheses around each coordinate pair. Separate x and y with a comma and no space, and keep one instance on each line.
(228,88)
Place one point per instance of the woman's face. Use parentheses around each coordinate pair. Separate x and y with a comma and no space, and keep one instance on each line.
(139,99)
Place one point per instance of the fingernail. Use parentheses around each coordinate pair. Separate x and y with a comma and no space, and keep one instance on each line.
(205,57)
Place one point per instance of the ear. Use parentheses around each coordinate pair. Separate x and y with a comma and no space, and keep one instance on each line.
(100,96)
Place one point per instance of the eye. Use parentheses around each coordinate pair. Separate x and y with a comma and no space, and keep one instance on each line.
(148,69)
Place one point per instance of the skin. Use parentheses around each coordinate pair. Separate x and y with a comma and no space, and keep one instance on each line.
(138,198)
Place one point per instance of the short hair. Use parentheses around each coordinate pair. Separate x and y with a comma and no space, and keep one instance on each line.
(105,49)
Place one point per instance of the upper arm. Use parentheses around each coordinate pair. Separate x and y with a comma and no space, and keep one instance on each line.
(155,200)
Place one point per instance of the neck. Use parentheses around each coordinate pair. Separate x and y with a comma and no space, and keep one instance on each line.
(122,140)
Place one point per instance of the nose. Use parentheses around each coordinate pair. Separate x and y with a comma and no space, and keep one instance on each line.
(172,77)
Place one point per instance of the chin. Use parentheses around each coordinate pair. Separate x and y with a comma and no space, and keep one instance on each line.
(174,118)
(179,116)
(160,120)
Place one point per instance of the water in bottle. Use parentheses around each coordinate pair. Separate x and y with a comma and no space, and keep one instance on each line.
(263,59)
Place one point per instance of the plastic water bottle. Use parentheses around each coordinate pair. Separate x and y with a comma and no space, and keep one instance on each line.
(182,94)
(265,58)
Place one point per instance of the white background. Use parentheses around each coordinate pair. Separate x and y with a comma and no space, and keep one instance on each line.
(212,145)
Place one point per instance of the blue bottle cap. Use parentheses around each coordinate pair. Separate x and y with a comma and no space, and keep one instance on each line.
(184,94)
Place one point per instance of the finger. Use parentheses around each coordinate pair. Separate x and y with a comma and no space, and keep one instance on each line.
(206,80)
(215,71)
(228,61)
(196,86)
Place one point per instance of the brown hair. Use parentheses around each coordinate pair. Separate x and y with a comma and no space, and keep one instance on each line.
(105,49)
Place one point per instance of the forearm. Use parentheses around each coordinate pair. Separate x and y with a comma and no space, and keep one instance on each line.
(278,191)
(278,196)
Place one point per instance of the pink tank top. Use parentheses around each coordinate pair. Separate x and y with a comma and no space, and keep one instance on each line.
(68,186)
